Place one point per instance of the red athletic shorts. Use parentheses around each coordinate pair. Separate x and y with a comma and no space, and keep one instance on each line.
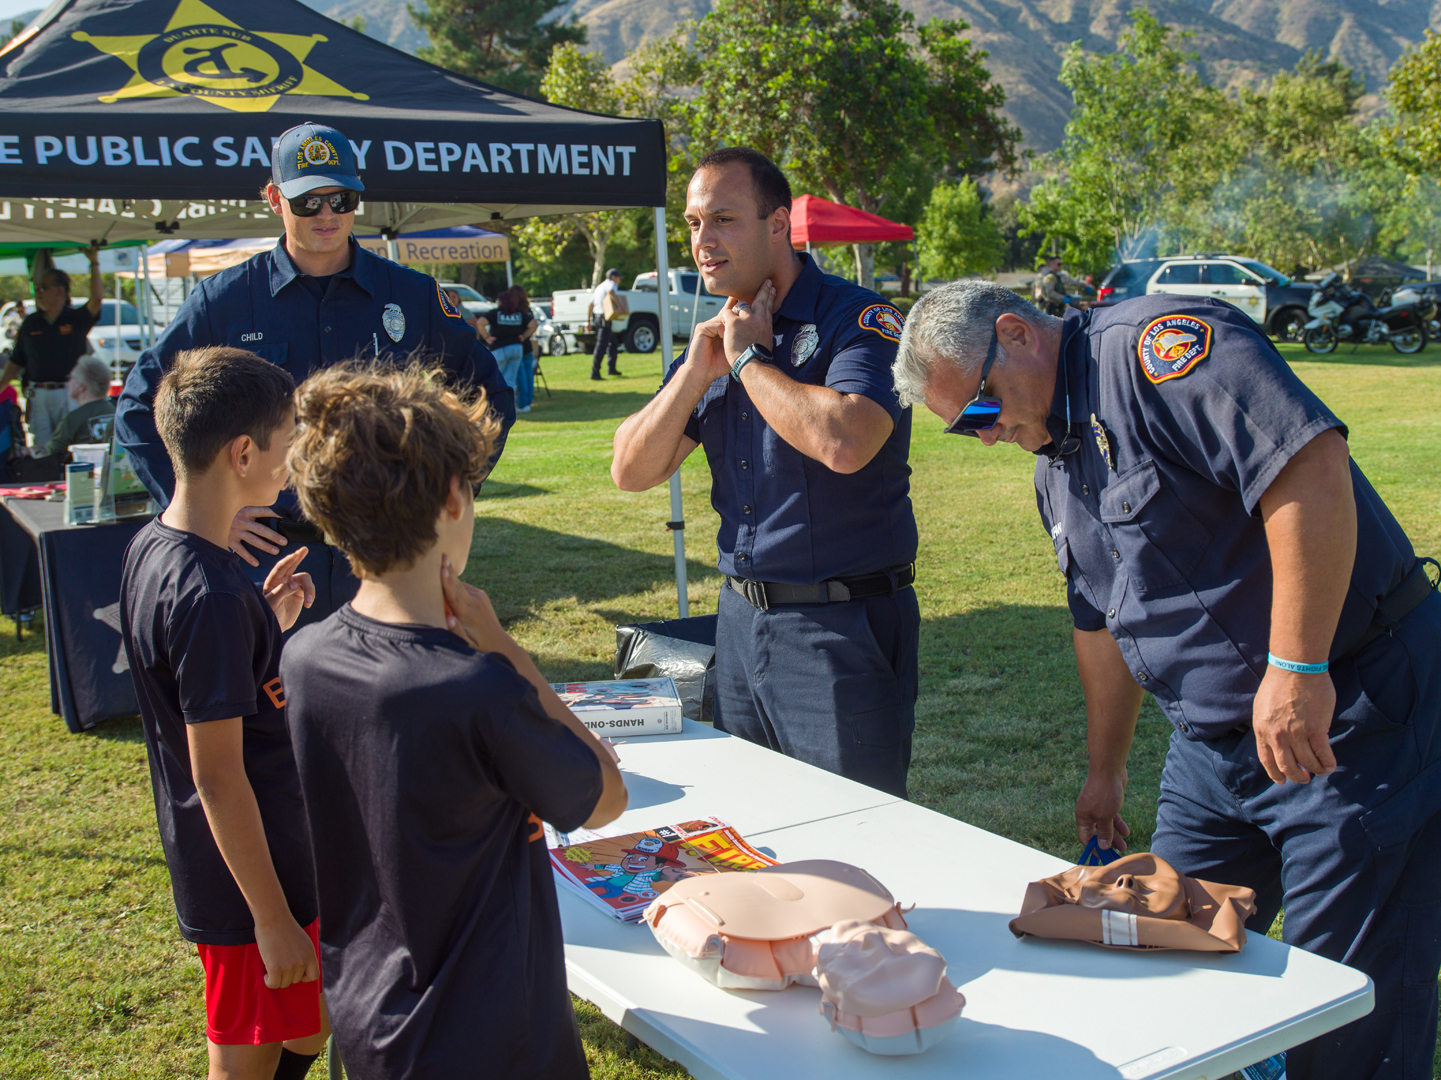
(241,1010)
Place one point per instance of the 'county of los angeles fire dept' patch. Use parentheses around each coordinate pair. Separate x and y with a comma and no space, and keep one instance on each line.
(884,320)
(445,304)
(1172,345)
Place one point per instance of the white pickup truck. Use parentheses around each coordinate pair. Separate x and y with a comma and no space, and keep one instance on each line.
(640,330)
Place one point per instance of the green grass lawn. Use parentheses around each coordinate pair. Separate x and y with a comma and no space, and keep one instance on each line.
(95,982)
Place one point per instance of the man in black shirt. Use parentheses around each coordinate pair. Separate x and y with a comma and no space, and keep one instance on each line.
(428,760)
(47,345)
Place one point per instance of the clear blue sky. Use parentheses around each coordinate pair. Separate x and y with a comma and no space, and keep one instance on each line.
(10,9)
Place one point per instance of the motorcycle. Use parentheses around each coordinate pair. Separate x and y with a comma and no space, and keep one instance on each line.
(1341,314)
(1425,302)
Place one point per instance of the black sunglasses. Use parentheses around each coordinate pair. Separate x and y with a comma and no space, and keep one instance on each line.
(980,413)
(342,202)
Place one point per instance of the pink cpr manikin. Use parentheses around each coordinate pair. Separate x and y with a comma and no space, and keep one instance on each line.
(767,929)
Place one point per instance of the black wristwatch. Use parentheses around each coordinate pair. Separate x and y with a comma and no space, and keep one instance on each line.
(755,352)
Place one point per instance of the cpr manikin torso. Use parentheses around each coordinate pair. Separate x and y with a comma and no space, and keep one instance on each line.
(766,929)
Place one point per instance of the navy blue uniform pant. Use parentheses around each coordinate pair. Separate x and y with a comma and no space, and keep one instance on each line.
(1353,858)
(833,685)
(328,568)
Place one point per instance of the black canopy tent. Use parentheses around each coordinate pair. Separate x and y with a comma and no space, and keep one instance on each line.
(136,119)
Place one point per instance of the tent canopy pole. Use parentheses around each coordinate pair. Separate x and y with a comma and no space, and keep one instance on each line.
(677,512)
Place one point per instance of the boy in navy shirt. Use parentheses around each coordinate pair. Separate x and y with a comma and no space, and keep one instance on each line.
(204,649)
(428,759)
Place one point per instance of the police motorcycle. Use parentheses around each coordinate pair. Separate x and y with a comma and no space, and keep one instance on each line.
(1425,301)
(1341,314)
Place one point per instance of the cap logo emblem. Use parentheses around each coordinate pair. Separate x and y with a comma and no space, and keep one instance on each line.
(393,319)
(1172,345)
(804,345)
(316,151)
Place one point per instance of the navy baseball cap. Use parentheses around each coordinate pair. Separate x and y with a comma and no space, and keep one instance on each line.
(311,156)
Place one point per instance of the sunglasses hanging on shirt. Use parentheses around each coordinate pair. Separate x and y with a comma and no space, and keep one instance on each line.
(1072,442)
(341,202)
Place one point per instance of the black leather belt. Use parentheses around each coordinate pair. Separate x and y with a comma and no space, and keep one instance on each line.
(767,594)
(48,385)
(1395,606)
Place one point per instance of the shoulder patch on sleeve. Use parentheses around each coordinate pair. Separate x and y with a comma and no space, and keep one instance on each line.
(1172,345)
(884,320)
(445,304)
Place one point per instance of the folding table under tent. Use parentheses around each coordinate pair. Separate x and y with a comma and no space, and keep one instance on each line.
(145,119)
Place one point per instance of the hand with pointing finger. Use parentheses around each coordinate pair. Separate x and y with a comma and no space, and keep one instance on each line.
(287,591)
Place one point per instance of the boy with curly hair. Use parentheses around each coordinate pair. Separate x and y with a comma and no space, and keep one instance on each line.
(428,758)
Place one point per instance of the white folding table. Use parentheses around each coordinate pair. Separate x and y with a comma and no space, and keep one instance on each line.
(1033,1008)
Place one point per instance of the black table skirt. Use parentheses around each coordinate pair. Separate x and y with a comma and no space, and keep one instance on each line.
(79,574)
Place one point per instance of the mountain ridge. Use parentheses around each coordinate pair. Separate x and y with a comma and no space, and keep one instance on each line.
(1240,43)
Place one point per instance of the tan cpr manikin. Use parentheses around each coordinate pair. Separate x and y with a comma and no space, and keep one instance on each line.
(1138,902)
(818,923)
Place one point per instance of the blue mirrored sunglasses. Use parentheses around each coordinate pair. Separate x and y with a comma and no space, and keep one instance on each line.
(980,413)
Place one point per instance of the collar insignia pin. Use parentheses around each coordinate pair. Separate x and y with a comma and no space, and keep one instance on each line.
(393,319)
(804,345)
(1103,441)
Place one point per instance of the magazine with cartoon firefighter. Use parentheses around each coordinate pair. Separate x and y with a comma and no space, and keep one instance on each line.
(622,874)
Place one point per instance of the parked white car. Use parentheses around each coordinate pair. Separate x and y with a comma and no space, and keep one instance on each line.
(130,341)
(690,305)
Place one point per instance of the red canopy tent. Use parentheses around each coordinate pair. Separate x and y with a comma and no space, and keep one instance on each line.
(819,221)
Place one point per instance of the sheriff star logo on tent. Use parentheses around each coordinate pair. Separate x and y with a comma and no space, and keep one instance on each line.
(202,53)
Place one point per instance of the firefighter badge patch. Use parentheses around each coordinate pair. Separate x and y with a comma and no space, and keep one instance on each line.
(884,320)
(1172,345)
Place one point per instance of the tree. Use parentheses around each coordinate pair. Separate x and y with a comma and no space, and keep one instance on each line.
(956,236)
(502,42)
(1306,184)
(1141,143)
(581,80)
(851,98)
(1415,96)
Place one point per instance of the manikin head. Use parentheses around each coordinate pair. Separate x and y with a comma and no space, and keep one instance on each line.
(738,208)
(1157,893)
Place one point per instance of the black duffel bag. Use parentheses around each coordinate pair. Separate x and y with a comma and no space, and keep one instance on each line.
(679,649)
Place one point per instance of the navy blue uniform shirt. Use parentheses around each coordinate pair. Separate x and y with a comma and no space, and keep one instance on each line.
(267,306)
(1186,414)
(786,517)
